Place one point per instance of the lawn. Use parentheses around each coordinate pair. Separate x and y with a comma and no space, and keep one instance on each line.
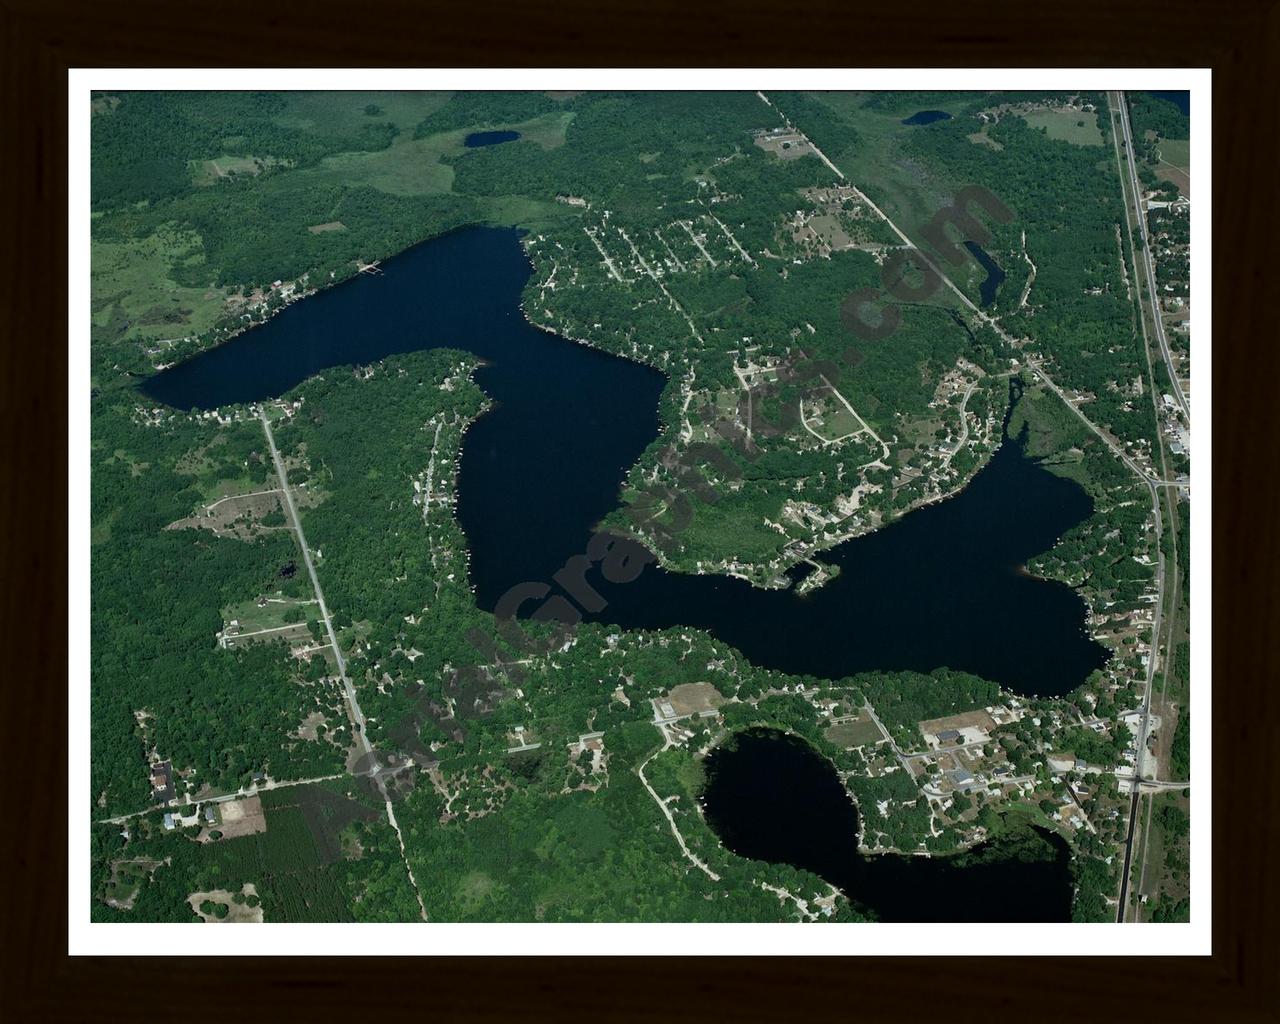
(415,167)
(858,733)
(270,616)
(1176,152)
(1078,127)
(837,421)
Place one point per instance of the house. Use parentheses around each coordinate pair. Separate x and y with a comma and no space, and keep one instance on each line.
(162,782)
(959,777)
(948,736)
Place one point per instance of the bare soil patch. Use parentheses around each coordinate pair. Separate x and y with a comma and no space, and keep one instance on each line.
(127,876)
(237,515)
(1179,177)
(238,909)
(308,730)
(784,144)
(243,817)
(965,720)
(694,698)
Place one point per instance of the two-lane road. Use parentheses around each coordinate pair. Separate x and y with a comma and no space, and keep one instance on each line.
(368,756)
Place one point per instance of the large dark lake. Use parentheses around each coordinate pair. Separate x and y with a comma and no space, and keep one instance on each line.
(941,587)
(771,797)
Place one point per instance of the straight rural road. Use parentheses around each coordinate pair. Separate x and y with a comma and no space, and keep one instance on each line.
(349,691)
(353,704)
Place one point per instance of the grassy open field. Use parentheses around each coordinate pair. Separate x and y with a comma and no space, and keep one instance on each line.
(278,611)
(908,192)
(345,111)
(1175,163)
(211,172)
(855,733)
(837,421)
(415,167)
(132,287)
(1176,152)
(982,138)
(1078,127)
(408,167)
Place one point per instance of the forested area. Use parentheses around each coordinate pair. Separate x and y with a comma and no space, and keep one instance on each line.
(1158,114)
(254,233)
(903,699)
(365,440)
(584,856)
(324,856)
(1066,199)
(1171,822)
(501,835)
(157,596)
(1078,311)
(631,153)
(144,142)
(1101,554)
(478,110)
(1095,882)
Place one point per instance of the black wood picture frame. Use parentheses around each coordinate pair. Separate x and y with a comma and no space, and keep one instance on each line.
(1238,39)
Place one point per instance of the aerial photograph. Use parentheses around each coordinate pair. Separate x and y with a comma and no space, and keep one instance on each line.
(639,506)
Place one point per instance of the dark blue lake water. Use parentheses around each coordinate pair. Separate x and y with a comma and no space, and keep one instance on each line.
(927,117)
(995,276)
(941,587)
(771,797)
(477,139)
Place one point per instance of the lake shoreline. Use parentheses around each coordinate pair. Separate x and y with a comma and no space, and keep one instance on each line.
(565,433)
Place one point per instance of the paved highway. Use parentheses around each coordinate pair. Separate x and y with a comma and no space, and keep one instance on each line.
(1126,165)
(1153,483)
(1143,255)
